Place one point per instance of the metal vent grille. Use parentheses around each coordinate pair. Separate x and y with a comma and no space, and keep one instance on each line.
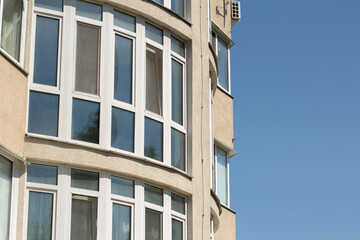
(235,10)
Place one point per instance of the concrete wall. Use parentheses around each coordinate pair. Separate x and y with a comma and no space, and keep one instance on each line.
(13,99)
(227,228)
(218,16)
(223,118)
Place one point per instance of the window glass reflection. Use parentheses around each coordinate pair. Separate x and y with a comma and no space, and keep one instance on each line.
(154,33)
(123,69)
(178,46)
(85,179)
(153,195)
(124,21)
(153,139)
(177,203)
(177,230)
(177,149)
(178,7)
(121,224)
(177,92)
(222,181)
(42,174)
(89,10)
(122,129)
(223,64)
(43,113)
(85,121)
(46,51)
(56,5)
(123,187)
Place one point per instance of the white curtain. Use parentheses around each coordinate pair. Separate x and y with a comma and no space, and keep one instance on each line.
(5,196)
(11,27)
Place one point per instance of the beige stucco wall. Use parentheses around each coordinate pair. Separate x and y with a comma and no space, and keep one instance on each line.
(223,118)
(221,20)
(13,98)
(227,228)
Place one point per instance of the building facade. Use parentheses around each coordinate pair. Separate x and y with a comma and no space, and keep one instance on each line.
(116,119)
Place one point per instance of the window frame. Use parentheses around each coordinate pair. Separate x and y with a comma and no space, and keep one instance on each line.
(20,62)
(216,48)
(216,146)
(14,194)
(62,205)
(65,88)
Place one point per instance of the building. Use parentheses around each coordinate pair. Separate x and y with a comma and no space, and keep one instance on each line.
(116,119)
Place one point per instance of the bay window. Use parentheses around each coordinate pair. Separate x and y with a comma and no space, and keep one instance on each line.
(178,6)
(68,203)
(101,77)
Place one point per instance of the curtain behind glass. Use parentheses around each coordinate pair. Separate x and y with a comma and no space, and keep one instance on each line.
(83,218)
(5,196)
(221,167)
(11,27)
(121,222)
(40,216)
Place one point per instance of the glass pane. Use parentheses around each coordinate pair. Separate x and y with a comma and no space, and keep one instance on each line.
(154,80)
(177,92)
(85,121)
(122,130)
(121,222)
(178,7)
(153,139)
(56,5)
(5,196)
(124,21)
(42,174)
(153,195)
(89,10)
(40,216)
(43,113)
(87,59)
(178,46)
(153,225)
(177,149)
(223,64)
(46,51)
(177,230)
(83,218)
(154,33)
(84,179)
(123,187)
(159,1)
(221,167)
(177,203)
(123,69)
(11,27)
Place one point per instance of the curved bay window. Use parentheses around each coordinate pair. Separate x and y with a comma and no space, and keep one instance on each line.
(103,78)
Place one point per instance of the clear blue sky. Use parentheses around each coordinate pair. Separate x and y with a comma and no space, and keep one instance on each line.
(296,81)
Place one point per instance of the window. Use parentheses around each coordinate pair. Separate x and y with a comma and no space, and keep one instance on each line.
(177,6)
(93,93)
(11,12)
(101,204)
(212,224)
(223,54)
(5,196)
(222,186)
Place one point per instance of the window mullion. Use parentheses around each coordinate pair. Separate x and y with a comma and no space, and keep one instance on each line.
(64,208)
(106,74)
(104,207)
(14,200)
(23,32)
(139,219)
(139,101)
(167,98)
(67,76)
(167,215)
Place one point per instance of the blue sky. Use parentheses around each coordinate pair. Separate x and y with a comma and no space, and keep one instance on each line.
(296,81)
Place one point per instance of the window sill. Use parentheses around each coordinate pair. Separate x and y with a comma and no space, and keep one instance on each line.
(13,62)
(228,208)
(170,11)
(112,151)
(224,91)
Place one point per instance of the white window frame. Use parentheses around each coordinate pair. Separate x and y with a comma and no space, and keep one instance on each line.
(14,195)
(216,48)
(19,63)
(62,205)
(227,174)
(65,89)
